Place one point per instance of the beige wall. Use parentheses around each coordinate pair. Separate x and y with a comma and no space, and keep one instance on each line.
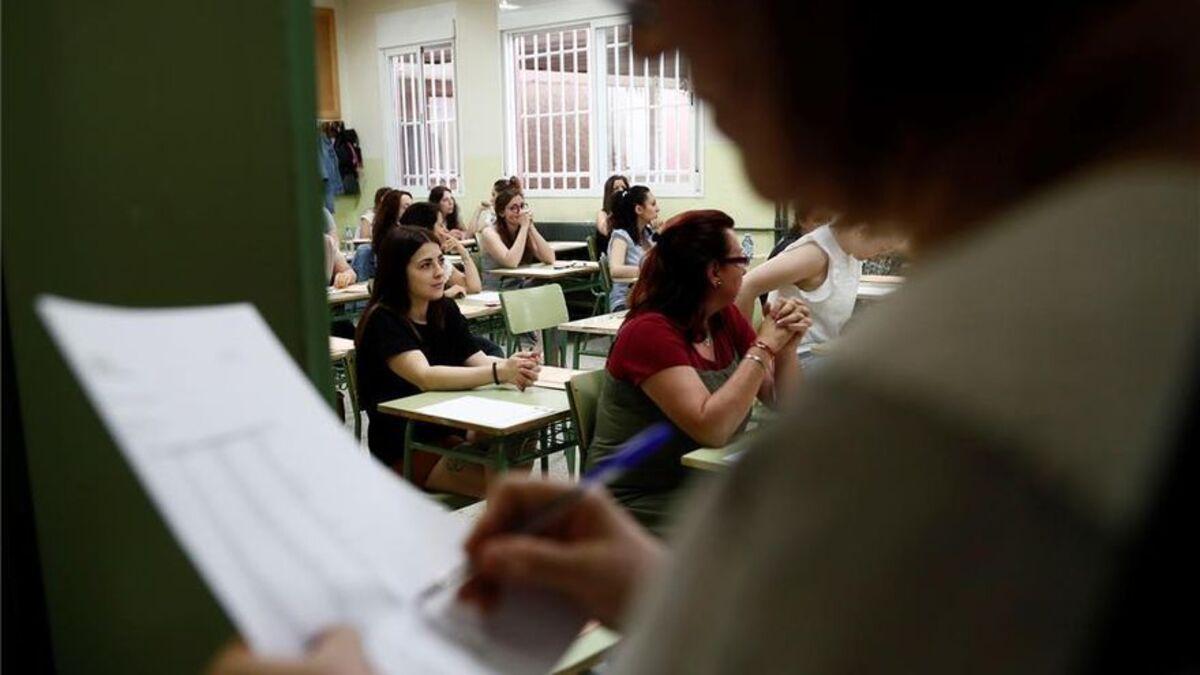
(480,86)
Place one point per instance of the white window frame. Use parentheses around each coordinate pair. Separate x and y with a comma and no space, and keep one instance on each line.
(388,95)
(598,151)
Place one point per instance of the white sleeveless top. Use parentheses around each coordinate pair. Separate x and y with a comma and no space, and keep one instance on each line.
(833,301)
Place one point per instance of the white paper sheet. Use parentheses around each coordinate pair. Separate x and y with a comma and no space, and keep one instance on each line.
(485,297)
(485,411)
(291,525)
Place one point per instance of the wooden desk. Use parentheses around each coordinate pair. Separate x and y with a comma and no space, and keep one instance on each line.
(544,272)
(553,377)
(553,401)
(339,348)
(351,293)
(564,246)
(472,309)
(604,324)
(717,459)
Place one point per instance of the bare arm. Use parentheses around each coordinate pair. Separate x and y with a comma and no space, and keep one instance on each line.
(477,371)
(791,267)
(602,223)
(507,256)
(541,247)
(708,418)
(616,260)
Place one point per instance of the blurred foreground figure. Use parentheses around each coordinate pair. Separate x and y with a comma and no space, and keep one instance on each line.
(966,484)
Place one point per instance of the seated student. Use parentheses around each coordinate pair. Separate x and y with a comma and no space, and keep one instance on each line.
(425,216)
(368,217)
(805,221)
(337,271)
(512,242)
(485,213)
(612,187)
(442,197)
(412,338)
(391,206)
(822,269)
(633,212)
(685,354)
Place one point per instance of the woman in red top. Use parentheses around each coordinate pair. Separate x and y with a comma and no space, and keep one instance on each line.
(686,355)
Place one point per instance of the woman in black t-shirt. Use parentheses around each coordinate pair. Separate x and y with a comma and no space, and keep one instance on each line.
(412,338)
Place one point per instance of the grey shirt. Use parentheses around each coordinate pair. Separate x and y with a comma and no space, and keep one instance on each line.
(952,489)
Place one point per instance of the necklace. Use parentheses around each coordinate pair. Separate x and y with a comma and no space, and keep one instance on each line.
(707,341)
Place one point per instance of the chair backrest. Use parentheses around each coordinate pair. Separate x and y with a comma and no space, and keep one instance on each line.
(533,309)
(583,393)
(605,273)
(591,243)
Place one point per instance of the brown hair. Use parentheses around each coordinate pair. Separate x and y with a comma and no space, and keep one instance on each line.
(502,200)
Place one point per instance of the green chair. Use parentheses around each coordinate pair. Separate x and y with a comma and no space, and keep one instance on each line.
(345,379)
(591,244)
(583,393)
(537,309)
(601,292)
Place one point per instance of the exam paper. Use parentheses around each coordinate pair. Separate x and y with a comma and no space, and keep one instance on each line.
(486,297)
(292,526)
(485,411)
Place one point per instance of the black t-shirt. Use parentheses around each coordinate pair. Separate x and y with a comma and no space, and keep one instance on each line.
(386,335)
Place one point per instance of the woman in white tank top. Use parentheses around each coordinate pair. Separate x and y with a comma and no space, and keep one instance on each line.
(822,270)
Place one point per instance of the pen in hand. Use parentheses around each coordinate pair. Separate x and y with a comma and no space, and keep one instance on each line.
(632,453)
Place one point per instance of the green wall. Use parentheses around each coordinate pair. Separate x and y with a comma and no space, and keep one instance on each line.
(154,153)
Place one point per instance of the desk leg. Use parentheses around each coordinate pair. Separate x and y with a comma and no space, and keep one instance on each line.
(408,441)
(500,453)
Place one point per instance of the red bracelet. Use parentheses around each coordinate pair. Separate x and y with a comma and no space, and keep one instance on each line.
(763,346)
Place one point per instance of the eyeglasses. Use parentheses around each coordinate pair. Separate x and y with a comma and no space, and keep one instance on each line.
(741,261)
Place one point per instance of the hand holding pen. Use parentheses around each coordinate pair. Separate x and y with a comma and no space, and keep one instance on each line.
(572,539)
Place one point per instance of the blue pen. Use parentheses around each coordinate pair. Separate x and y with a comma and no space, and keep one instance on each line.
(632,453)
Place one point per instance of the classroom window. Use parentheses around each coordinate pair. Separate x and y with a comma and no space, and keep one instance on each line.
(424,119)
(650,116)
(562,79)
(552,109)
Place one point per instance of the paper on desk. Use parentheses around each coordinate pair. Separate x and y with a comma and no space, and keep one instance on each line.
(485,411)
(486,297)
(292,526)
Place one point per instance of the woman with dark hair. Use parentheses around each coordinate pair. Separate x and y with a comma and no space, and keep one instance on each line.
(513,241)
(425,216)
(612,187)
(412,338)
(390,206)
(633,212)
(686,355)
(485,214)
(367,219)
(442,197)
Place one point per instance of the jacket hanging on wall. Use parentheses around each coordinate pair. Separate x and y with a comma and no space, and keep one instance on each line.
(349,156)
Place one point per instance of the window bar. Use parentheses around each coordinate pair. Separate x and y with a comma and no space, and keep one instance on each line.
(678,124)
(537,111)
(520,117)
(575,80)
(551,141)
(444,123)
(649,117)
(562,106)
(631,90)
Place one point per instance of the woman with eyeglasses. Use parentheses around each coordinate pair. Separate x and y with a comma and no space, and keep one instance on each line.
(686,355)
